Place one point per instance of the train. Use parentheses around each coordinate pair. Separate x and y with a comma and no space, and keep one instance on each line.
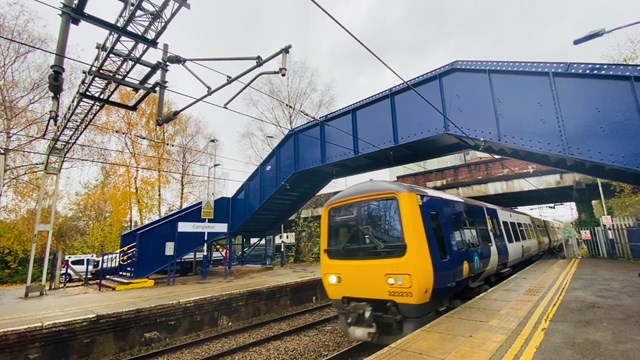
(393,254)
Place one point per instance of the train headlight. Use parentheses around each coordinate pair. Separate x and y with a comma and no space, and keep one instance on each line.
(398,280)
(334,279)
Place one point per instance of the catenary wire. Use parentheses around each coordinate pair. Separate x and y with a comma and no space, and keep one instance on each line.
(265,121)
(411,86)
(233,111)
(222,107)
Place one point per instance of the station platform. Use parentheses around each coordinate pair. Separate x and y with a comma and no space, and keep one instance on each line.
(554,309)
(80,302)
(81,322)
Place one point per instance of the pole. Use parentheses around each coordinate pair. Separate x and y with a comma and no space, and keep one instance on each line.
(205,259)
(604,208)
(52,218)
(282,254)
(213,192)
(205,269)
(2,155)
(610,240)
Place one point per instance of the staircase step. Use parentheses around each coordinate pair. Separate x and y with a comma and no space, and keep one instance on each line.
(118,283)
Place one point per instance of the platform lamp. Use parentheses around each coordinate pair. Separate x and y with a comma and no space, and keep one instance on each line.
(600,32)
(209,195)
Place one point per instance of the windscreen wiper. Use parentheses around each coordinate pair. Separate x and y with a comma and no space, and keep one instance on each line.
(368,236)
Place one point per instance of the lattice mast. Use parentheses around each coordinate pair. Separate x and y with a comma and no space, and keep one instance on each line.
(136,29)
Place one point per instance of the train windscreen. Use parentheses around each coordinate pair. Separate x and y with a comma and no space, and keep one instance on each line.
(368,229)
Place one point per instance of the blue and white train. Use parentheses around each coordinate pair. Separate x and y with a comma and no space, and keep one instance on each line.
(391,254)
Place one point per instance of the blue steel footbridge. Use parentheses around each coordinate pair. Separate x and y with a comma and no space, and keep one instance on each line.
(583,118)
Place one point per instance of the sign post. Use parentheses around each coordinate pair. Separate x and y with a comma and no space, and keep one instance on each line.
(607,222)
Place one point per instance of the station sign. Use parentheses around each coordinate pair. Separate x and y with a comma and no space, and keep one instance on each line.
(202,227)
(585,234)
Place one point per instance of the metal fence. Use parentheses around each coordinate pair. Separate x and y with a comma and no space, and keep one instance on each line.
(607,241)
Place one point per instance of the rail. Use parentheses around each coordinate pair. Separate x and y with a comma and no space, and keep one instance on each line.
(200,341)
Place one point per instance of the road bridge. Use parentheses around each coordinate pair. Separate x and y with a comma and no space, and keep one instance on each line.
(509,182)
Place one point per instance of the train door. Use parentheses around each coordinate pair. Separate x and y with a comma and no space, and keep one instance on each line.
(460,255)
(478,235)
(467,245)
(498,237)
(440,247)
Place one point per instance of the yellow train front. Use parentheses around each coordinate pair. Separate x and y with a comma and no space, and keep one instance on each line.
(384,260)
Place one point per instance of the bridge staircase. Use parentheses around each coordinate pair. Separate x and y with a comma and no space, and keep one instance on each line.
(147,245)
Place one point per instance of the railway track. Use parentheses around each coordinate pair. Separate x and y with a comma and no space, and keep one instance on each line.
(243,347)
(170,351)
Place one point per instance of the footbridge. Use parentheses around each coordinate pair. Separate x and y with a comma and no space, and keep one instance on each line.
(578,117)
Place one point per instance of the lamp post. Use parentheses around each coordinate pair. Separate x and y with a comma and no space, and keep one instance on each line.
(600,32)
(205,258)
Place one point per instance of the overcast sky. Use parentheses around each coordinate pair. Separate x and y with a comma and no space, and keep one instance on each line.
(413,37)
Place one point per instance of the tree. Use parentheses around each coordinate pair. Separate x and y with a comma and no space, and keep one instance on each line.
(280,102)
(23,91)
(23,107)
(97,216)
(626,202)
(307,232)
(192,146)
(283,104)
(163,166)
(627,52)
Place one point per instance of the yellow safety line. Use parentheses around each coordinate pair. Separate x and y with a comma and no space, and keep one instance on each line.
(530,350)
(524,334)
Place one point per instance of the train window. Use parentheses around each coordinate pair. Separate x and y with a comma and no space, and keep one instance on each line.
(496,228)
(507,231)
(523,235)
(437,231)
(483,231)
(532,233)
(456,234)
(514,230)
(365,229)
(470,234)
(527,233)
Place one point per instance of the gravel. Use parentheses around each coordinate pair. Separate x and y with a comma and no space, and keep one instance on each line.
(314,343)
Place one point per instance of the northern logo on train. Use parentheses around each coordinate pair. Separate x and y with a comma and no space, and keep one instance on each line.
(476,262)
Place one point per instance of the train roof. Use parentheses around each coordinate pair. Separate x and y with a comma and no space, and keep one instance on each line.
(380,186)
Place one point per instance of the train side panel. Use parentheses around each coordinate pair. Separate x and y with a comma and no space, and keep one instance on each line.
(521,242)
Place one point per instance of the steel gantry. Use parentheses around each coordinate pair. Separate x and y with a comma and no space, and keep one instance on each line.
(136,29)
